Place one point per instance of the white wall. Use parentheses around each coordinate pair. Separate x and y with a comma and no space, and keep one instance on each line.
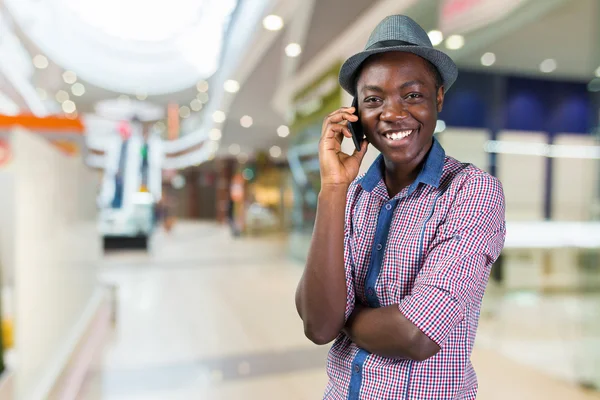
(7,207)
(574,182)
(56,253)
(523,178)
(466,145)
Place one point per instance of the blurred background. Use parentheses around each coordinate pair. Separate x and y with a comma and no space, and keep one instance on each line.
(159,178)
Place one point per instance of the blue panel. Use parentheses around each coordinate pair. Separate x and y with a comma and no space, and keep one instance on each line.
(570,109)
(378,250)
(357,373)
(527,104)
(547,106)
(467,103)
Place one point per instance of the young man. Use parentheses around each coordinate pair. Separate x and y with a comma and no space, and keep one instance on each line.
(401,256)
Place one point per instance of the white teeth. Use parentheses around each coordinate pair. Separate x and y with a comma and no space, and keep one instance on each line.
(398,135)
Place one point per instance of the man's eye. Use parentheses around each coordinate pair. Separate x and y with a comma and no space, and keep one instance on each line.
(371,99)
(414,96)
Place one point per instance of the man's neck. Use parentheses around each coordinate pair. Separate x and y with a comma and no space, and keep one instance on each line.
(399,176)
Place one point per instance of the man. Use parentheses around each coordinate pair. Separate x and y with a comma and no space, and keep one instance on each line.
(397,279)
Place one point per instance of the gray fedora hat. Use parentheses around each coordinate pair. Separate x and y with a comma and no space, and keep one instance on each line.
(398,33)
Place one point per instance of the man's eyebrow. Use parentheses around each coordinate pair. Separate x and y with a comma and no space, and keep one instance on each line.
(411,83)
(372,88)
(378,89)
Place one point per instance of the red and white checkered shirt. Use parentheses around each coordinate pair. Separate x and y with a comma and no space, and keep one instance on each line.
(429,250)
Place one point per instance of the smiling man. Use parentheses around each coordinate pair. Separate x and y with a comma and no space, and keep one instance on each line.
(401,256)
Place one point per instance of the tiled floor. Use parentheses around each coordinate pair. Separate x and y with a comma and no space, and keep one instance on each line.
(205,316)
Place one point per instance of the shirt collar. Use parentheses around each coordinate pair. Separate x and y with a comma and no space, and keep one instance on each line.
(430,174)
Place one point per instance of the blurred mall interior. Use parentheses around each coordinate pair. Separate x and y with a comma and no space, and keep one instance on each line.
(159,178)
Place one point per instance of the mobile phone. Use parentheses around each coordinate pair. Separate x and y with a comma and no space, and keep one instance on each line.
(356,128)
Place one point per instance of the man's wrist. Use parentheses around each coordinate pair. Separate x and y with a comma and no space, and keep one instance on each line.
(334,188)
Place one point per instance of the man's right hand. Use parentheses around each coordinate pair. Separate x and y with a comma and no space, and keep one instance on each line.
(338,169)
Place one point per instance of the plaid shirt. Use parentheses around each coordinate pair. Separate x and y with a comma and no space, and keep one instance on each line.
(429,250)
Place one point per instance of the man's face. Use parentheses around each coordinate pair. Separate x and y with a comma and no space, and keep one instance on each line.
(398,105)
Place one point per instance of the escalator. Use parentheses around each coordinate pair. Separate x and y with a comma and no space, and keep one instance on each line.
(130,191)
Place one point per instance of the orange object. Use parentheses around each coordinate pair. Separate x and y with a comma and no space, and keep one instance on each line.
(5,154)
(68,147)
(173,121)
(54,124)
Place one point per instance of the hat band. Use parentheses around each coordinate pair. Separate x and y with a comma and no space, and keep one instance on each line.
(389,43)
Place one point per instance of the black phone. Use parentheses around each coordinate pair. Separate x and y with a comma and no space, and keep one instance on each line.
(356,128)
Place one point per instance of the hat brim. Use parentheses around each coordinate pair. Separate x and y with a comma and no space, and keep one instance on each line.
(445,65)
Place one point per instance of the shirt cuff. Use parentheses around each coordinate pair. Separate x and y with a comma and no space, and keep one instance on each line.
(433,311)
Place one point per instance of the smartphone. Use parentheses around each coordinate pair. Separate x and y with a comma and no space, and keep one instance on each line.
(356,128)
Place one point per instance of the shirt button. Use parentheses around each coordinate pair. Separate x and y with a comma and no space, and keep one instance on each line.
(370,292)
(379,246)
(357,368)
(388,207)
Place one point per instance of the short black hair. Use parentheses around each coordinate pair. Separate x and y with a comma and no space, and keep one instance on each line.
(435,74)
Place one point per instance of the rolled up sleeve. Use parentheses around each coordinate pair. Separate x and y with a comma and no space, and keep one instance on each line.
(348,267)
(457,264)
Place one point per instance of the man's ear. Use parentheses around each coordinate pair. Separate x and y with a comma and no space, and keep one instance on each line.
(440,99)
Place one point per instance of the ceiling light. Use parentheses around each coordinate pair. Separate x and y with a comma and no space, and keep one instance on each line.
(436,37)
(215,134)
(594,85)
(293,50)
(242,158)
(184,112)
(219,116)
(488,59)
(202,86)
(275,151)
(78,89)
(548,66)
(598,72)
(440,126)
(141,96)
(42,94)
(62,96)
(248,175)
(273,22)
(455,42)
(234,149)
(69,77)
(246,121)
(72,115)
(69,107)
(196,105)
(160,126)
(203,97)
(283,131)
(40,61)
(231,86)
(178,181)
(124,98)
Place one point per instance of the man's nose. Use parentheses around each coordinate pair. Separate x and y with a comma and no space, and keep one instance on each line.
(394,111)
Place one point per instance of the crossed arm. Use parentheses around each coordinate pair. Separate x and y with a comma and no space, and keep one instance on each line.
(415,328)
(386,331)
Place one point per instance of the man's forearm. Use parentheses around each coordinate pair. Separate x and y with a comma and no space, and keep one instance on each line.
(386,332)
(321,294)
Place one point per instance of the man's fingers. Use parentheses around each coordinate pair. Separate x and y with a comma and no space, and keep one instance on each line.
(332,130)
(342,116)
(359,155)
(343,109)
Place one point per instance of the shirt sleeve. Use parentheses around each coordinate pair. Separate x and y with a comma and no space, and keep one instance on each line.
(459,260)
(348,267)
(353,192)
